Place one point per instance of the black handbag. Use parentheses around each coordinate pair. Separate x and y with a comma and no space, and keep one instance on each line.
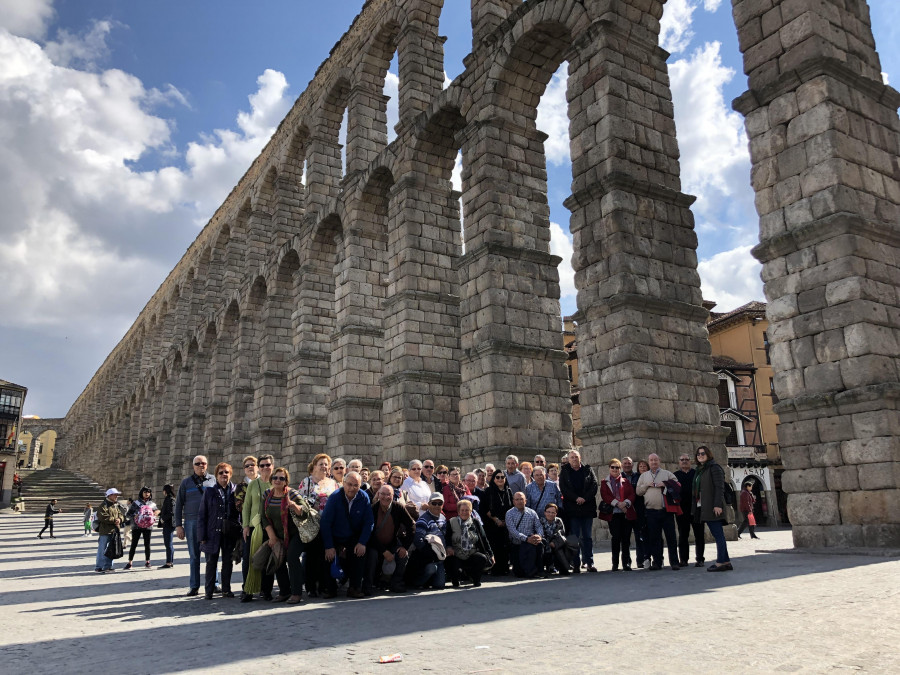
(605,509)
(114,548)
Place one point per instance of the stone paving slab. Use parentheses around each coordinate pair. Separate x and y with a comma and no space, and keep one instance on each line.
(775,613)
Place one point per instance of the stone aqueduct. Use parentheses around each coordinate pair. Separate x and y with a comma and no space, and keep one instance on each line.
(350,315)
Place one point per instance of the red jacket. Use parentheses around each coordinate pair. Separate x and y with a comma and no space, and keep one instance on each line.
(626,491)
(747,501)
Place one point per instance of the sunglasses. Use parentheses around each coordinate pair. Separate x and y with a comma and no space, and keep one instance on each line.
(199,463)
(416,468)
(701,454)
(427,467)
(284,478)
(442,473)
(247,466)
(615,468)
(436,503)
(338,468)
(539,463)
(224,473)
(265,466)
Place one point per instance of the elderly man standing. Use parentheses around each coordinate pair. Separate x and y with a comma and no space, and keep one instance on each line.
(652,486)
(526,543)
(346,527)
(187,509)
(515,479)
(578,485)
(110,516)
(418,489)
(541,492)
(392,535)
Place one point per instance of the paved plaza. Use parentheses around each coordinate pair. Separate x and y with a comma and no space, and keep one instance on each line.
(777,612)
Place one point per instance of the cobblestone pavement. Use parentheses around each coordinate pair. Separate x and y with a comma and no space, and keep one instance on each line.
(777,612)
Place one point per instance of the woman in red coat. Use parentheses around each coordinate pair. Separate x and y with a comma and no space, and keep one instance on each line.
(618,493)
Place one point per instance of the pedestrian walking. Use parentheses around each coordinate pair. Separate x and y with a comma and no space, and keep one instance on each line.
(51,511)
(747,502)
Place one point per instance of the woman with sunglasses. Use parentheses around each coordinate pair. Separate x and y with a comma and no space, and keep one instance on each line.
(616,491)
(317,487)
(338,469)
(497,501)
(251,515)
(708,501)
(452,488)
(279,504)
(218,529)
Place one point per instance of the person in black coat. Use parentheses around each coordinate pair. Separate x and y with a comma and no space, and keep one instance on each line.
(685,521)
(167,523)
(578,485)
(709,493)
(497,501)
(392,536)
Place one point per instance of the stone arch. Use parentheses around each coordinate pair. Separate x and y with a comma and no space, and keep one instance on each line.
(367,132)
(324,159)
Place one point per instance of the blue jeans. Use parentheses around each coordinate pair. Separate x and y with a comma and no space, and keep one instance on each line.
(434,575)
(103,563)
(715,529)
(190,533)
(581,528)
(169,542)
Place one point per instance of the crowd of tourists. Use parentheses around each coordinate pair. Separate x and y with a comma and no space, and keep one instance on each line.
(418,526)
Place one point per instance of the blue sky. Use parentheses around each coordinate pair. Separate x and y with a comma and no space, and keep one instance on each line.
(124,124)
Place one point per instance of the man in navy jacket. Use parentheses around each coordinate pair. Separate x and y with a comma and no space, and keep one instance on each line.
(346,526)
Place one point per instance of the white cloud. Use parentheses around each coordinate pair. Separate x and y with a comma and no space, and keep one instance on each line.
(676,30)
(87,235)
(28,18)
(731,278)
(711,5)
(84,51)
(561,245)
(553,117)
(392,89)
(217,162)
(715,162)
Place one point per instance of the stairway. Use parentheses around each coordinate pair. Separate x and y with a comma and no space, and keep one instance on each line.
(39,486)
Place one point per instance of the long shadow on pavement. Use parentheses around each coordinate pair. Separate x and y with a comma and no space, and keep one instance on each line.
(343,622)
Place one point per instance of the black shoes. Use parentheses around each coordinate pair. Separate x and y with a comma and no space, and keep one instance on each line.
(720,568)
(193,592)
(227,594)
(246,597)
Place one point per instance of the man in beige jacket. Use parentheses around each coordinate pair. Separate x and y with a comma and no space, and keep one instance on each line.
(652,486)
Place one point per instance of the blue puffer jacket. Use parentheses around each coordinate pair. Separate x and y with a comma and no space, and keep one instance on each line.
(216,506)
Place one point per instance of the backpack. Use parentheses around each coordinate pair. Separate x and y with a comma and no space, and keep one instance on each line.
(144,519)
(728,493)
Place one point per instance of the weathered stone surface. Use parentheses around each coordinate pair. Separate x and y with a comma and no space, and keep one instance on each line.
(353,313)
(819,508)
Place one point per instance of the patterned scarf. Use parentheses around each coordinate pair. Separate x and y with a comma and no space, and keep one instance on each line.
(284,513)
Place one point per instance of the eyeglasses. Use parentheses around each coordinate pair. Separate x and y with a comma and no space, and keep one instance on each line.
(265,466)
(249,466)
(436,503)
(615,468)
(224,473)
(442,473)
(284,478)
(338,468)
(416,468)
(701,454)
(199,463)
(540,462)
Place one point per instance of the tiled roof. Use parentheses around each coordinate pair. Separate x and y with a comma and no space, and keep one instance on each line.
(753,308)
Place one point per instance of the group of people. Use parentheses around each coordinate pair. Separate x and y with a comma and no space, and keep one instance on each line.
(420,525)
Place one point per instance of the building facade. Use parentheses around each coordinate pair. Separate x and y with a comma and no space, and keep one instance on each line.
(12,399)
